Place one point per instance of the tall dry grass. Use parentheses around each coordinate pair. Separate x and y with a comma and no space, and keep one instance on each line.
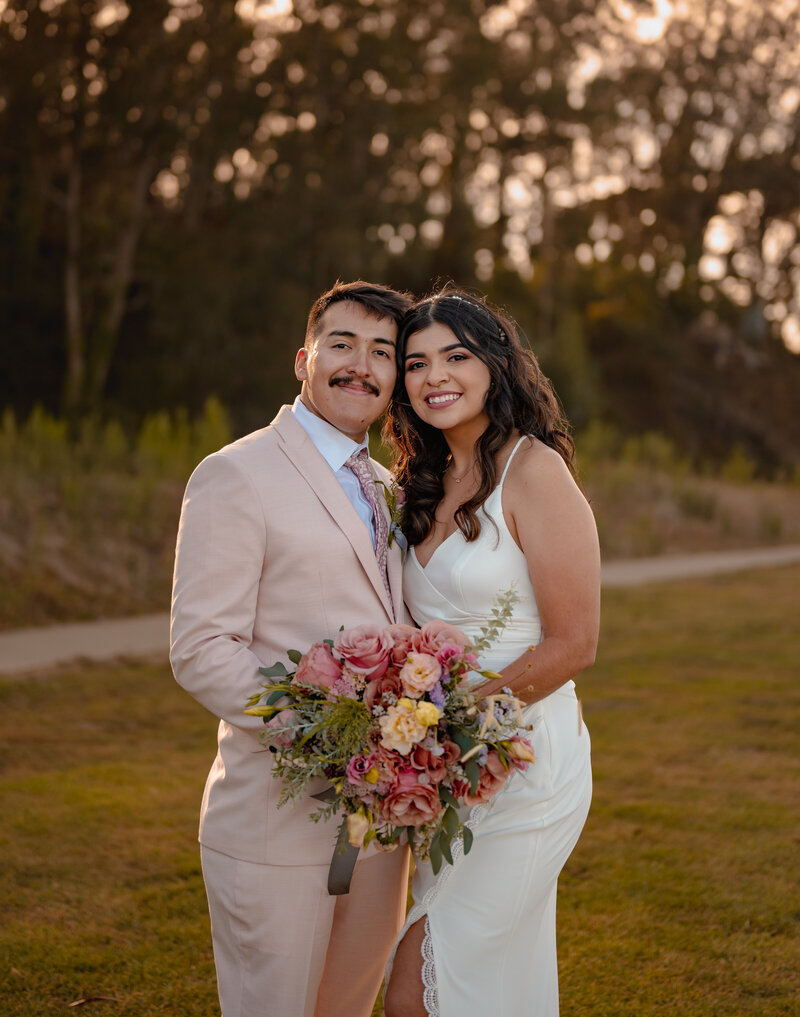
(87,526)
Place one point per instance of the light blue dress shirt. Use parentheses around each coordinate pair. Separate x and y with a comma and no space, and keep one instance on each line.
(336,448)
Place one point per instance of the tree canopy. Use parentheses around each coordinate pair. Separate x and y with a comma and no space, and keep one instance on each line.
(179,180)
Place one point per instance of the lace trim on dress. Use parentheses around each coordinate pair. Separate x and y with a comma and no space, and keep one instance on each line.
(430,993)
(430,990)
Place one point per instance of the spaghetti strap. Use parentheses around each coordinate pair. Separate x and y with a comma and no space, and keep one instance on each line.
(508,461)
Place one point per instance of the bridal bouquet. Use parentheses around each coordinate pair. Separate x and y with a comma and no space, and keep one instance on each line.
(385,715)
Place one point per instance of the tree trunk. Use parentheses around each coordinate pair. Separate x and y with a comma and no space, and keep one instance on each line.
(75,338)
(107,335)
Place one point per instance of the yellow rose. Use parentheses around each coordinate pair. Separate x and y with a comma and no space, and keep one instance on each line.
(400,729)
(520,749)
(427,714)
(357,826)
(372,775)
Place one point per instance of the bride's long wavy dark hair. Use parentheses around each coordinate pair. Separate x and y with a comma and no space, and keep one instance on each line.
(520,397)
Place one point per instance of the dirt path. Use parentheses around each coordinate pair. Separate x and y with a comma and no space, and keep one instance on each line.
(30,650)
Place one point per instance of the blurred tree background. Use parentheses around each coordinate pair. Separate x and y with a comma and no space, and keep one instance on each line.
(179,180)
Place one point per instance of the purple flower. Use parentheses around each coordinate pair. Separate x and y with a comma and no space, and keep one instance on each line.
(437,696)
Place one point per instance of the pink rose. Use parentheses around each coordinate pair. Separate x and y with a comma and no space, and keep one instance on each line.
(403,638)
(378,687)
(358,768)
(279,728)
(365,648)
(419,674)
(493,776)
(410,803)
(454,661)
(435,634)
(318,666)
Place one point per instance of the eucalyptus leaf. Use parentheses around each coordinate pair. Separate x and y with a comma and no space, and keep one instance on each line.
(463,740)
(450,822)
(473,774)
(447,797)
(294,655)
(436,855)
(277,670)
(468,838)
(448,854)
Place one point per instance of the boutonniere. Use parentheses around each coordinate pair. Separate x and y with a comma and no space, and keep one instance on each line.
(395,499)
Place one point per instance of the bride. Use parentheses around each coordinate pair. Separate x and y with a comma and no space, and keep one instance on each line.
(485,460)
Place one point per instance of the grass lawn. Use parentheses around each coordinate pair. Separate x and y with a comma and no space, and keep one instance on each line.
(681,897)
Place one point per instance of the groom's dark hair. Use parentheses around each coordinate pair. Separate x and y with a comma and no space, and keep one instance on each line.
(377,300)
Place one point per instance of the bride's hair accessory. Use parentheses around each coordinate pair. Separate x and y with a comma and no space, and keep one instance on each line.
(501,335)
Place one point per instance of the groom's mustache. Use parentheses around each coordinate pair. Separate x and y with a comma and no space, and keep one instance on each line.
(353,381)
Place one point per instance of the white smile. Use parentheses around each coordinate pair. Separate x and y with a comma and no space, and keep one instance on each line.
(442,400)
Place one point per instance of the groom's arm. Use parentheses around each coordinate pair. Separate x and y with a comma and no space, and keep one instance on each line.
(222,544)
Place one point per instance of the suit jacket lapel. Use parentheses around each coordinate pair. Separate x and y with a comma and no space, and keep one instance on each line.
(394,562)
(303,454)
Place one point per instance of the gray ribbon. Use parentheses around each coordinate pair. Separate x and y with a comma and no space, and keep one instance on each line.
(344,856)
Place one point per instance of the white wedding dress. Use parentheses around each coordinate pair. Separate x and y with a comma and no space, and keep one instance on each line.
(490,918)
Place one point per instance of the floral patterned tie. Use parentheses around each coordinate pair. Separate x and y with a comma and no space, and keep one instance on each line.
(359,464)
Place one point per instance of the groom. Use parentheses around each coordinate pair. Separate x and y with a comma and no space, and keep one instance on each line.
(279,545)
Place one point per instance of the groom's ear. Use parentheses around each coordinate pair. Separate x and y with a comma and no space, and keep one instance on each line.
(301,365)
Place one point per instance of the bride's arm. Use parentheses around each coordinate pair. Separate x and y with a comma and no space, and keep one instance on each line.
(551,521)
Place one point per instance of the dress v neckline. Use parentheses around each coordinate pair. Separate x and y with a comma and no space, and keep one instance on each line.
(436,550)
(498,486)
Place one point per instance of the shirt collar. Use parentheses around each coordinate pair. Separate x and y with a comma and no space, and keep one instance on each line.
(334,446)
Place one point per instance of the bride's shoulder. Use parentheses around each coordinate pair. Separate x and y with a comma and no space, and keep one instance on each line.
(533,457)
(537,470)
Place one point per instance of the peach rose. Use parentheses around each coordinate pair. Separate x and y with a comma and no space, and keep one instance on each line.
(452,753)
(435,634)
(400,728)
(387,761)
(410,803)
(365,649)
(493,776)
(403,642)
(419,674)
(318,666)
(521,752)
(378,687)
(426,762)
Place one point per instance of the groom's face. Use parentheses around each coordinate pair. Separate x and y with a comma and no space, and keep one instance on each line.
(348,367)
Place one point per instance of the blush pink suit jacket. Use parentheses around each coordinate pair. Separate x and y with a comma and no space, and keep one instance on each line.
(271,556)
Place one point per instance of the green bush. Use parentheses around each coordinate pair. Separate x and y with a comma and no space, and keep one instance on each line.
(167,445)
(738,468)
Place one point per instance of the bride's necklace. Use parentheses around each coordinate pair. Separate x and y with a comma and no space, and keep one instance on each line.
(463,475)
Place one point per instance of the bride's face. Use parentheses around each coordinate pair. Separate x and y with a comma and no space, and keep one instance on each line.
(446,383)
